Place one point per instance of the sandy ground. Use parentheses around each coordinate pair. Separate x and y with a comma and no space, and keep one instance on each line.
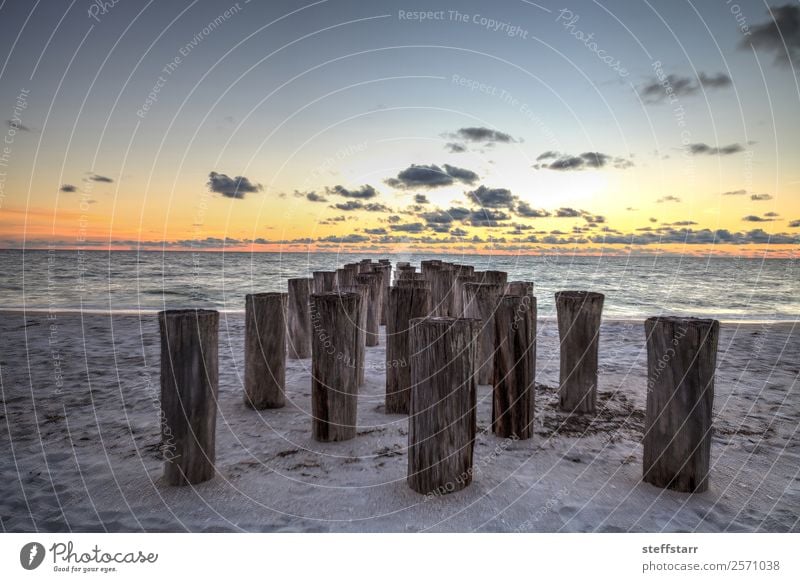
(79,437)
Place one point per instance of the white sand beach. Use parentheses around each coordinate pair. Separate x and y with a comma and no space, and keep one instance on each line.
(79,435)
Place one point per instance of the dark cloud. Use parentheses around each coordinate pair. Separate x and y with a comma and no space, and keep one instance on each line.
(444,217)
(701,148)
(779,35)
(487,217)
(483,135)
(655,91)
(104,179)
(349,205)
(492,197)
(460,232)
(68,188)
(771,214)
(411,227)
(592,160)
(524,209)
(421,199)
(461,174)
(375,231)
(754,218)
(431,176)
(235,187)
(668,199)
(365,192)
(376,207)
(348,238)
(594,218)
(760,197)
(455,148)
(794,224)
(735,193)
(567,213)
(314,197)
(704,236)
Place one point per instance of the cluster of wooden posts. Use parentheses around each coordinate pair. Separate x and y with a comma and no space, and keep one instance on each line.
(448,328)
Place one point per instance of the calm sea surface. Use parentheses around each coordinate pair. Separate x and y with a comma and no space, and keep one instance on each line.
(127,281)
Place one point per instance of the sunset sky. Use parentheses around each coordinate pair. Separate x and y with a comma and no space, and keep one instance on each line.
(508,126)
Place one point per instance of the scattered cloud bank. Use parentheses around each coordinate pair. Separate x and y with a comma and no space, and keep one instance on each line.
(431,176)
(654,90)
(235,187)
(779,35)
(586,160)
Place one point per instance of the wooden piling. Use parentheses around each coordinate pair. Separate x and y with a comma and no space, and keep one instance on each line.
(363,292)
(480,301)
(299,319)
(493,277)
(579,314)
(681,359)
(385,270)
(374,306)
(265,350)
(334,376)
(458,293)
(442,283)
(514,367)
(520,288)
(405,303)
(324,281)
(189,388)
(344,278)
(441,422)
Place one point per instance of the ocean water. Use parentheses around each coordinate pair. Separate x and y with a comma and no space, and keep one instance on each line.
(730,289)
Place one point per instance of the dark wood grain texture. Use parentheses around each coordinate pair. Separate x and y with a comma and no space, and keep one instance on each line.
(334,375)
(189,389)
(514,367)
(681,361)
(480,301)
(579,314)
(441,423)
(299,315)
(405,303)
(265,350)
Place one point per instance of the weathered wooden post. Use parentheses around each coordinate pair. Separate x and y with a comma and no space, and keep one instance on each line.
(404,272)
(494,277)
(441,421)
(406,302)
(458,293)
(480,302)
(365,266)
(324,281)
(344,278)
(579,314)
(519,288)
(334,377)
(265,350)
(299,315)
(514,366)
(385,271)
(426,267)
(681,359)
(442,280)
(189,388)
(374,282)
(363,292)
